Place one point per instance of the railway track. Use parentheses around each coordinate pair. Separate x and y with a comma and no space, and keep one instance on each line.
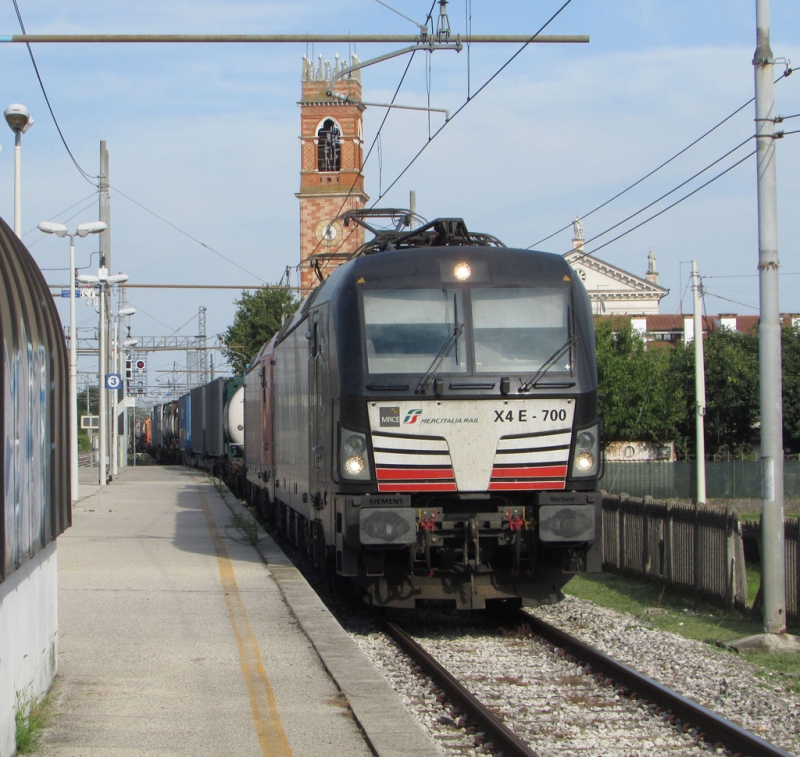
(497,735)
(710,727)
(683,715)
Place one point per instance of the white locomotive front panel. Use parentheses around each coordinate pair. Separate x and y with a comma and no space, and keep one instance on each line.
(469,446)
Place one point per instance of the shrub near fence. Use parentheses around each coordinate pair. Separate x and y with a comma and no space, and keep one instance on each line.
(694,549)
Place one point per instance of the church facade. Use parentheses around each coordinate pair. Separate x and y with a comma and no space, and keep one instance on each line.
(612,290)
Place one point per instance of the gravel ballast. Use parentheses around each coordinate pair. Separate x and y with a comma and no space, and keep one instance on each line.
(548,701)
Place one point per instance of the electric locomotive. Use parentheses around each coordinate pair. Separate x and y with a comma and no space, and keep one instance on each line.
(426,423)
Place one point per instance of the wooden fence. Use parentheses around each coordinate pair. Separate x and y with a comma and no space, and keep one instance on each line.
(695,549)
(751,535)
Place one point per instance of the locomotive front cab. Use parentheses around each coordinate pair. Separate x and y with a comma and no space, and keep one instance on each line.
(474,433)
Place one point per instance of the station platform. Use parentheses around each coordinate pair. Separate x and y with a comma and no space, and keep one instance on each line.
(179,636)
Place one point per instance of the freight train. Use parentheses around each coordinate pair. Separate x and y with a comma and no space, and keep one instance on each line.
(426,423)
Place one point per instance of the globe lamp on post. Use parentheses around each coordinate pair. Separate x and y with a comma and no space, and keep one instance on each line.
(94,227)
(19,120)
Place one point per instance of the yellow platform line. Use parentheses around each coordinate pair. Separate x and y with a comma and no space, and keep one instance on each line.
(270,732)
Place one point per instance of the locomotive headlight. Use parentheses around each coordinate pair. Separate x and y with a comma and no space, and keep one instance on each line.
(462,271)
(355,465)
(353,455)
(586,452)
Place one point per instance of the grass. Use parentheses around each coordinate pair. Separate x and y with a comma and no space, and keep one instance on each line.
(247,527)
(658,607)
(30,719)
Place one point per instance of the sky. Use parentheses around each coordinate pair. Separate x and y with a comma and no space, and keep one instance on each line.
(204,150)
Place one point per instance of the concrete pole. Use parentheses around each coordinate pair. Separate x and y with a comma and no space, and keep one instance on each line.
(73,378)
(699,389)
(102,412)
(106,423)
(105,208)
(114,319)
(772,534)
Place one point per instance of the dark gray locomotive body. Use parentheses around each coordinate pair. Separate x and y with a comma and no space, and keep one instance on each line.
(426,423)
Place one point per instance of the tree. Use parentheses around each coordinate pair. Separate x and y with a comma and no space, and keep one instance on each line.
(790,359)
(258,317)
(732,407)
(640,394)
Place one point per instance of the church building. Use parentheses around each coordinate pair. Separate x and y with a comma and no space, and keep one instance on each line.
(332,183)
(331,173)
(612,290)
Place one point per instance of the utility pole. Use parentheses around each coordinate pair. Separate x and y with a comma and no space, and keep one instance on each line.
(699,389)
(105,260)
(773,580)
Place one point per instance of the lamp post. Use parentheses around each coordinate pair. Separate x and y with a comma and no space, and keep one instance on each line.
(104,282)
(18,118)
(121,313)
(95,227)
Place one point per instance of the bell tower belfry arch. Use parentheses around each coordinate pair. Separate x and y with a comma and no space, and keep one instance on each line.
(331,176)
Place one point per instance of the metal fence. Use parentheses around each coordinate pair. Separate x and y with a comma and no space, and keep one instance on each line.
(737,479)
(694,549)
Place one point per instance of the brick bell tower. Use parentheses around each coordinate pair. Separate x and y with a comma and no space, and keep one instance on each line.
(331,179)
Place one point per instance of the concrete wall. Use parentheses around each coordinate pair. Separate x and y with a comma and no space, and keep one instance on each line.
(28,637)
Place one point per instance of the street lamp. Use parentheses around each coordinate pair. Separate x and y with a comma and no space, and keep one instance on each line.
(18,118)
(95,227)
(104,282)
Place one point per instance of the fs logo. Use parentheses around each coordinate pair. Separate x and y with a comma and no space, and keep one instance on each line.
(412,416)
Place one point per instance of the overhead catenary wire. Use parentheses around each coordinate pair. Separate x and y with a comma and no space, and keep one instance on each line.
(187,234)
(469,100)
(726,299)
(671,191)
(375,141)
(664,210)
(662,165)
(88,177)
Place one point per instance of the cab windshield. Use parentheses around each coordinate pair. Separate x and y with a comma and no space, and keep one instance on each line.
(406,329)
(518,330)
(502,329)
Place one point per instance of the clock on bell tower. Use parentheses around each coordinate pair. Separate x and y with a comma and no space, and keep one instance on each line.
(331,176)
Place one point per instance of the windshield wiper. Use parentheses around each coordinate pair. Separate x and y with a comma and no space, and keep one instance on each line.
(451,341)
(547,365)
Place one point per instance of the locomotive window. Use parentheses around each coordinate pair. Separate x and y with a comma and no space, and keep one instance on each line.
(406,328)
(518,329)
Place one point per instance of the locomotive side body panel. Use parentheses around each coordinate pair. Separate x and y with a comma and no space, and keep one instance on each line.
(291,419)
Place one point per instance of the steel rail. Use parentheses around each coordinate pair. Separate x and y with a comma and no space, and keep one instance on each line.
(711,727)
(496,732)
